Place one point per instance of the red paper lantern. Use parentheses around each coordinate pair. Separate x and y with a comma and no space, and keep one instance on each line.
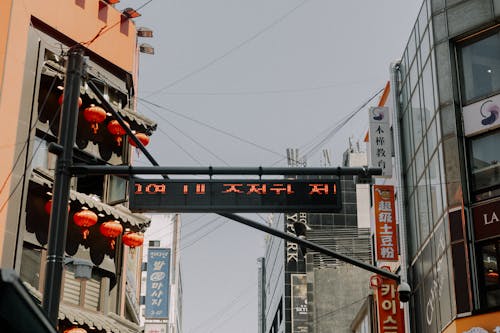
(61,98)
(48,207)
(85,219)
(133,239)
(94,115)
(111,230)
(143,138)
(75,330)
(117,130)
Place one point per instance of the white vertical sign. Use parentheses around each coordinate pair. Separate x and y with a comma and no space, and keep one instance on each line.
(380,140)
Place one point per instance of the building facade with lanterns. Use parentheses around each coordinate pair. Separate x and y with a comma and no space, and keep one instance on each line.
(446,125)
(103,253)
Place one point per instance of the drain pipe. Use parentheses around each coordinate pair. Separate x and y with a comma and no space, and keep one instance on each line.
(400,209)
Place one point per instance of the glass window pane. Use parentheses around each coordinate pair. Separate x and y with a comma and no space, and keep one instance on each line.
(485,161)
(417,115)
(117,189)
(40,154)
(481,67)
(436,187)
(423,209)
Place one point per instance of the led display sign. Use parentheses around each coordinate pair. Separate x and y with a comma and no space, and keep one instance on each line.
(282,195)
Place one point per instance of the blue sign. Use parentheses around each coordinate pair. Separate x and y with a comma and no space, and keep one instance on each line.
(157,285)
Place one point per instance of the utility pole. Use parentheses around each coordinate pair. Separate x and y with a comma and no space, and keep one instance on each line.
(60,196)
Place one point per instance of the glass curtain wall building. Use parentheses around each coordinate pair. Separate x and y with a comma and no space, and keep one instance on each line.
(447,107)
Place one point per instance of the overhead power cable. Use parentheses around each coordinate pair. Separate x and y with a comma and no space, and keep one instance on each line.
(231,50)
(190,138)
(206,125)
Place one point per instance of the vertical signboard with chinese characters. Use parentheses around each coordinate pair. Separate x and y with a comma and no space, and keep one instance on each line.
(299,303)
(390,314)
(385,223)
(380,140)
(158,281)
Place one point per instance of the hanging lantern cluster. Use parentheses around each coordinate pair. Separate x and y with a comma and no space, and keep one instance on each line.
(94,115)
(86,218)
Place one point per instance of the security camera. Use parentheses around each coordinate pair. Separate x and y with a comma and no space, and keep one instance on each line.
(404,291)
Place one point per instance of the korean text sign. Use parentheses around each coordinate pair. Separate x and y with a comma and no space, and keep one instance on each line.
(157,285)
(385,223)
(390,314)
(254,195)
(380,140)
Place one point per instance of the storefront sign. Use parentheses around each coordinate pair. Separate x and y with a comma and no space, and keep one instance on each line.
(385,223)
(486,220)
(155,328)
(380,140)
(299,303)
(390,314)
(482,116)
(292,249)
(280,195)
(158,283)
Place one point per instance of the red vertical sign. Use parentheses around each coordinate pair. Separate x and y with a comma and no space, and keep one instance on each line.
(385,223)
(390,314)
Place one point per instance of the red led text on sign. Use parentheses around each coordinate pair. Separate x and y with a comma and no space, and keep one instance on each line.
(278,195)
(260,189)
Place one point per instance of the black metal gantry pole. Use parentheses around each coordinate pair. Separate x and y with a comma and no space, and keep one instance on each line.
(60,195)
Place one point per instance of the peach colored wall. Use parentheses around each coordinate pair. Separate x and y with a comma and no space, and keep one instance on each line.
(5,6)
(79,20)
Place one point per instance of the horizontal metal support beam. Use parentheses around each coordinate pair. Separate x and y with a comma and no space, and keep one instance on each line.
(312,246)
(84,169)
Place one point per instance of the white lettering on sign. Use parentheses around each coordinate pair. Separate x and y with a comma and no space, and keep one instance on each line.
(292,249)
(489,220)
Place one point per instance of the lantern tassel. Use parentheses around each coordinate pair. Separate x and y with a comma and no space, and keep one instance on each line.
(112,244)
(85,233)
(95,127)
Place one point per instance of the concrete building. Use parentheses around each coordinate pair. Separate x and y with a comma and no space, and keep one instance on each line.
(164,233)
(35,37)
(307,292)
(446,115)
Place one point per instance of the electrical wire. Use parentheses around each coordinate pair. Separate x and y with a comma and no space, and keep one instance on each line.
(25,145)
(222,311)
(337,310)
(231,50)
(205,125)
(190,138)
(104,29)
(258,92)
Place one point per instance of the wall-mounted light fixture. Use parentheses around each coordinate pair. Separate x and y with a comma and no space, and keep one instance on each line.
(131,13)
(146,48)
(144,32)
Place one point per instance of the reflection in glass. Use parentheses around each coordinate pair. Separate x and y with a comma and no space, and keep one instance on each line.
(481,67)
(490,254)
(485,162)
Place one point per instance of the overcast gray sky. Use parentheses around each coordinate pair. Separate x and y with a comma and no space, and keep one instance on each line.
(235,83)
